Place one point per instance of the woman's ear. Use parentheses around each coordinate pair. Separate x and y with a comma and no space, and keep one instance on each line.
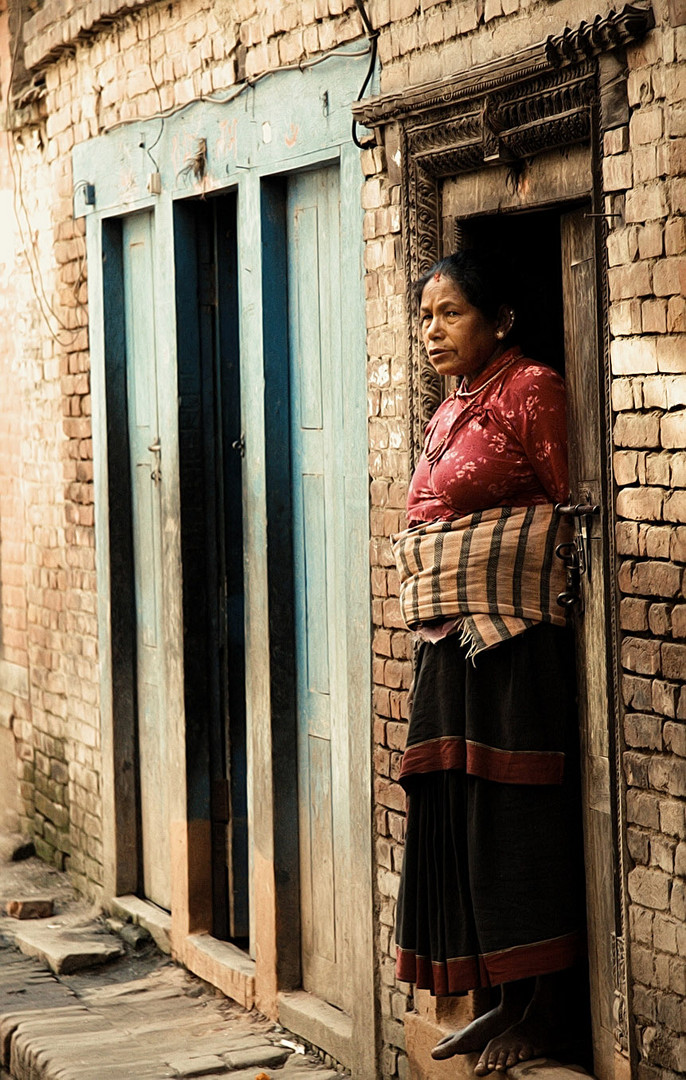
(504,322)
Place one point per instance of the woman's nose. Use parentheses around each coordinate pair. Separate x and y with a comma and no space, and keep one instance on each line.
(433,328)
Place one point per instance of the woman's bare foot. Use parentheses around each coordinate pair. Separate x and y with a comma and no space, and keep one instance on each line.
(543,1030)
(514,999)
(521,1042)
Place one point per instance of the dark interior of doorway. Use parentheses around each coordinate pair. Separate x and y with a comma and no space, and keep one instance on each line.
(528,247)
(210,465)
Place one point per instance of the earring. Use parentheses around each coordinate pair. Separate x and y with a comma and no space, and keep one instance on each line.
(500,333)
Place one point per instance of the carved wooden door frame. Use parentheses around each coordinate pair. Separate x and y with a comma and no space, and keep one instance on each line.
(565,91)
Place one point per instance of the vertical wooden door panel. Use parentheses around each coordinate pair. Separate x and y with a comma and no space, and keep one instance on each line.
(316,608)
(585,416)
(141,378)
(317,464)
(321,839)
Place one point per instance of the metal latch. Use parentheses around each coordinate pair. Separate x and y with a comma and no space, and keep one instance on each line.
(576,554)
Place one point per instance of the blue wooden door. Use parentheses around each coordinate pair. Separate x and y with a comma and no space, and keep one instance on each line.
(317,385)
(146,481)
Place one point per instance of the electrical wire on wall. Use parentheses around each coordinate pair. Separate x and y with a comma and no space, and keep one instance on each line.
(45,307)
(373,38)
(19,205)
(239,88)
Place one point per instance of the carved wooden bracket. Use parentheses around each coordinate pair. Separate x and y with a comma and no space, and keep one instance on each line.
(510,109)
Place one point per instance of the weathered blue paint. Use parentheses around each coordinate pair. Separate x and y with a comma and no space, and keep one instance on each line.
(254,143)
(317,369)
(146,465)
(281,119)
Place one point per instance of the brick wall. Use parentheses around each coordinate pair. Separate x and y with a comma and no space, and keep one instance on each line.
(105,61)
(645,167)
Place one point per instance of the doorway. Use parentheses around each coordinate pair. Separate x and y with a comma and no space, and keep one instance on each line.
(210,475)
(315,412)
(134,454)
(550,254)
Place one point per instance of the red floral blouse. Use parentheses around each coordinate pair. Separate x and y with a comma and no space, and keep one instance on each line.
(505,446)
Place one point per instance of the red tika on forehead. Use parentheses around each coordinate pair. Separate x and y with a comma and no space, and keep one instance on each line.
(437,276)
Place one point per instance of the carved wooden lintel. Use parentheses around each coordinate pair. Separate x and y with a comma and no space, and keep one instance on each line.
(506,111)
(590,39)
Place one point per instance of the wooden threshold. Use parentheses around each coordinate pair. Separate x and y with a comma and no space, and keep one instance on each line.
(320,1024)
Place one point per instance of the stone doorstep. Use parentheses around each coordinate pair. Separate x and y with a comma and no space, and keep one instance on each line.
(141,912)
(422,1034)
(545,1069)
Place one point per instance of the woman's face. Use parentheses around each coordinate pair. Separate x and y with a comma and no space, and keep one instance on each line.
(458,338)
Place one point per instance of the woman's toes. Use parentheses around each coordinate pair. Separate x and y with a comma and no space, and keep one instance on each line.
(445,1048)
(482,1067)
(503,1059)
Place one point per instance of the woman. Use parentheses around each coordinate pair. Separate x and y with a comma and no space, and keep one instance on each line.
(492,890)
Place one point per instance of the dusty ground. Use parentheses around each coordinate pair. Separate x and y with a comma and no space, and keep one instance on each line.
(136,1017)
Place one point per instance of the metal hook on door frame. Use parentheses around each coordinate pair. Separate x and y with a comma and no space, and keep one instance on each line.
(156,448)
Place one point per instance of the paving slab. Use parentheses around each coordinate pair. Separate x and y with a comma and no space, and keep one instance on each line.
(140,1017)
(68,950)
(197,1065)
(259,1056)
(163,1025)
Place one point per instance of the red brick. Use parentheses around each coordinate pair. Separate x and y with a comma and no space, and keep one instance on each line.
(643,731)
(675,236)
(629,281)
(646,202)
(637,429)
(659,620)
(674,661)
(669,276)
(675,738)
(654,316)
(674,508)
(617,172)
(641,655)
(31,908)
(633,614)
(640,503)
(673,429)
(650,888)
(645,125)
(650,578)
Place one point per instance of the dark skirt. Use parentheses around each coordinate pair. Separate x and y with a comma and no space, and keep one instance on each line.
(492,886)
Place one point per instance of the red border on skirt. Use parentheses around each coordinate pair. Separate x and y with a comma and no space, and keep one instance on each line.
(488,762)
(463,973)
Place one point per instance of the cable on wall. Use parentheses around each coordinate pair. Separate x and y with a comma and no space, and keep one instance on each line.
(373,38)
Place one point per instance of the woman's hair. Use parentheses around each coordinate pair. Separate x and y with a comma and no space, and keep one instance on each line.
(479,277)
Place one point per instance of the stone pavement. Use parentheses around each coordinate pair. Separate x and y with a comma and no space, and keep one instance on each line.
(139,1017)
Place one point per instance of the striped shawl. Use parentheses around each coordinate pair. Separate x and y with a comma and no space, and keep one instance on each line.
(494,570)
